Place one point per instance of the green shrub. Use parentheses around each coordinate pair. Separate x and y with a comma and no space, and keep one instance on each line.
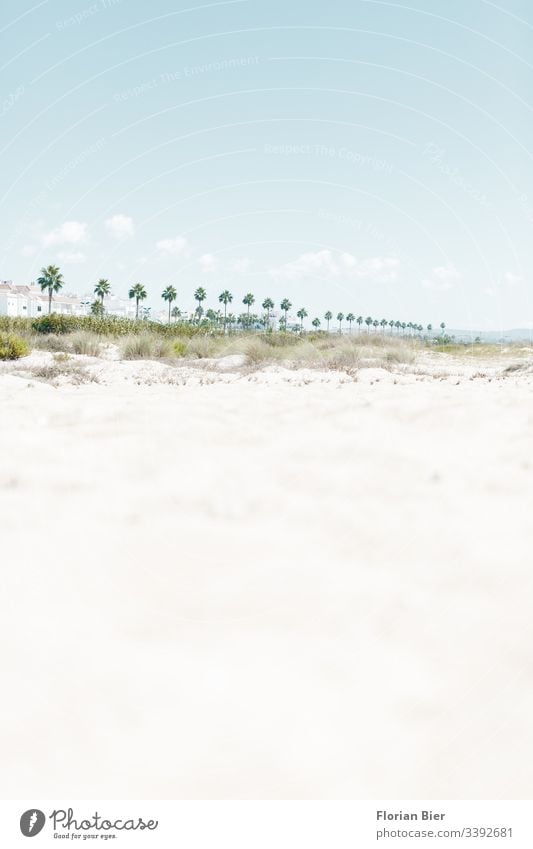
(281,340)
(12,347)
(55,323)
(179,347)
(14,325)
(104,325)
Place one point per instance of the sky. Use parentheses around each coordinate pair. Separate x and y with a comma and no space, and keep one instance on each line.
(352,155)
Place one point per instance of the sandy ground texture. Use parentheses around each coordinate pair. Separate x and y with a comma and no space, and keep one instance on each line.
(273,583)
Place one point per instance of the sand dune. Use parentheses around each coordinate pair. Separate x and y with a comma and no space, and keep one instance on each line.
(225,583)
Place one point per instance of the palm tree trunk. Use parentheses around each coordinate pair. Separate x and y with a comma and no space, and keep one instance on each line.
(49,301)
(136,307)
(169,306)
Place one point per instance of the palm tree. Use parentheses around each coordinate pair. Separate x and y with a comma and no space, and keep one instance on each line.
(391,325)
(225,298)
(285,306)
(51,280)
(302,313)
(403,326)
(376,325)
(316,323)
(176,313)
(97,308)
(443,328)
(268,304)
(328,316)
(397,325)
(102,288)
(429,328)
(200,295)
(340,319)
(368,322)
(349,318)
(359,320)
(169,294)
(248,301)
(139,293)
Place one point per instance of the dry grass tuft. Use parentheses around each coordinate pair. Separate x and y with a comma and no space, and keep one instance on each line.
(146,346)
(202,347)
(64,367)
(84,343)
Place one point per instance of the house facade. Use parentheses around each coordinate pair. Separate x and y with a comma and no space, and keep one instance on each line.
(29,302)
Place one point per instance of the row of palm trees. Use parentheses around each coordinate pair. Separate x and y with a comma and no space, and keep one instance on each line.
(249,320)
(51,280)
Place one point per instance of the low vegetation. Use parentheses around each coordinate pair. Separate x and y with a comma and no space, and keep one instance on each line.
(13,347)
(197,346)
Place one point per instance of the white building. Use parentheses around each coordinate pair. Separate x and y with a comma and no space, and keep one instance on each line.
(29,302)
(119,307)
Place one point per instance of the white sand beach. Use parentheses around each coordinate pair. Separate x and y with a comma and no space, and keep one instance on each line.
(271,583)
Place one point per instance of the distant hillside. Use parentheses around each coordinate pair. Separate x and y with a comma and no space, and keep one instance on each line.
(492,335)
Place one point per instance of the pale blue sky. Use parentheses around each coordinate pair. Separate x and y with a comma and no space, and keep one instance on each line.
(351,155)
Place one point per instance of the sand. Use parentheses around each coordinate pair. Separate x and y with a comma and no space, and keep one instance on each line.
(223,583)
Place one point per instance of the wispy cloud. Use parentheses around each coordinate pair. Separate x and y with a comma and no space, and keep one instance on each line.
(241,265)
(207,263)
(120,226)
(442,278)
(172,247)
(326,264)
(69,233)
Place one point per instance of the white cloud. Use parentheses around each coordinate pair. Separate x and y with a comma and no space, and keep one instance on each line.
(348,260)
(325,264)
(72,257)
(511,279)
(442,278)
(175,246)
(29,250)
(314,262)
(70,233)
(120,226)
(379,268)
(207,263)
